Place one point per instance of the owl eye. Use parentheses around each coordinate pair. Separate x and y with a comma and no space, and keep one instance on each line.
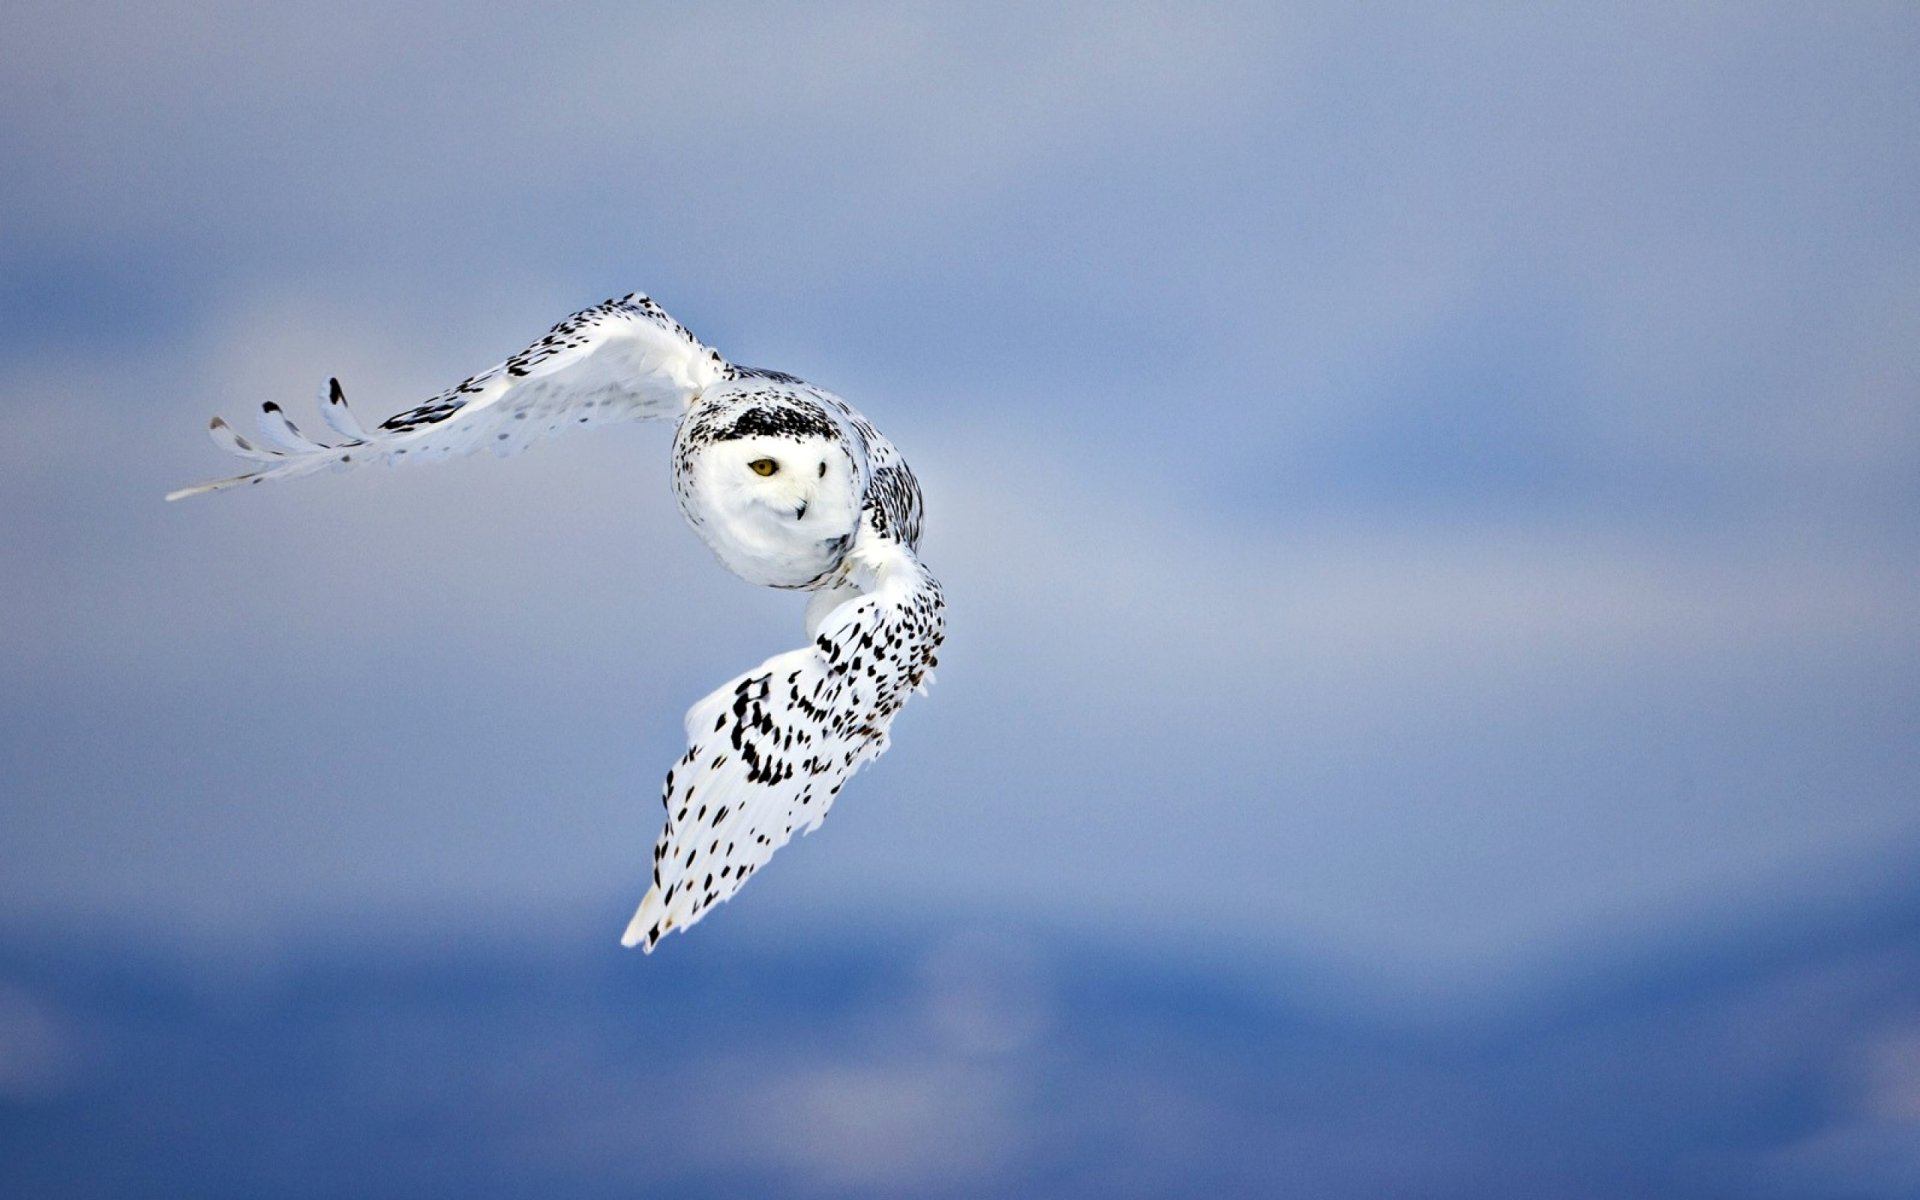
(764,466)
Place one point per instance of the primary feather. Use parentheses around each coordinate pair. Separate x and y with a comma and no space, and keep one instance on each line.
(771,749)
(623,360)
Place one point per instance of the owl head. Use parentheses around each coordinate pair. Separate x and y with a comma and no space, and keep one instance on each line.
(774,491)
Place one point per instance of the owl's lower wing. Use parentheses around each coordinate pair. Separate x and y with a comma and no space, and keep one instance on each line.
(619,361)
(769,751)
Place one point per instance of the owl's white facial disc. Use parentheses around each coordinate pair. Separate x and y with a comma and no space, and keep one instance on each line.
(776,509)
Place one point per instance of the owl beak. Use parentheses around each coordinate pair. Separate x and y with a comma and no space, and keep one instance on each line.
(800,512)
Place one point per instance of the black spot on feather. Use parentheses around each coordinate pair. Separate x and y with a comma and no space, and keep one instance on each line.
(794,423)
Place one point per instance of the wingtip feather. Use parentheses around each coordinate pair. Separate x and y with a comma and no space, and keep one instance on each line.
(340,418)
(225,437)
(214,485)
(277,429)
(645,921)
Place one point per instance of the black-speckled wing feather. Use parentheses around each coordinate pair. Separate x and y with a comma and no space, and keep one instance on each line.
(769,750)
(619,361)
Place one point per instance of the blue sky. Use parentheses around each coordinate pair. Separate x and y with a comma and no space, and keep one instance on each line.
(1433,491)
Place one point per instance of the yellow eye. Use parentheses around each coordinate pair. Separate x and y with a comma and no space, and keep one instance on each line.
(764,466)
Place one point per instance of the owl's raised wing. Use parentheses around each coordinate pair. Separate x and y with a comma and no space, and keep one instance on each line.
(619,361)
(769,750)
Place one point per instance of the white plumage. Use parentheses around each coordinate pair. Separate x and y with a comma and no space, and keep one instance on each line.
(788,485)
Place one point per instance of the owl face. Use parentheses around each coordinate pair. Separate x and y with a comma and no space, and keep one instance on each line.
(776,508)
(783,476)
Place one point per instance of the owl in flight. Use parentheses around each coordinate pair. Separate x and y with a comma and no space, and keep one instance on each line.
(787,484)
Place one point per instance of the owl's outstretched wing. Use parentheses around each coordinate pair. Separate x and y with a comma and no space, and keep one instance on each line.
(619,361)
(769,751)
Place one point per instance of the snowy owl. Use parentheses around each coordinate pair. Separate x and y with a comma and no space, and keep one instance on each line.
(787,484)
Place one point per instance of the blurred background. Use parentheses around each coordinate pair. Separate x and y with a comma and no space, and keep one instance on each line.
(1427,497)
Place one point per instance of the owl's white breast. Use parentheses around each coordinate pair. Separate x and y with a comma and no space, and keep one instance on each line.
(762,547)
